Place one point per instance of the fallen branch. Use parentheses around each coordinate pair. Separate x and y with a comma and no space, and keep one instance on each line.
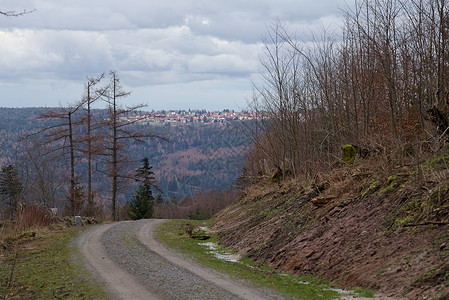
(426,223)
(321,201)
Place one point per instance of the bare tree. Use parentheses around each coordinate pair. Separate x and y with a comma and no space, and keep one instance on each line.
(94,140)
(62,135)
(119,132)
(386,77)
(44,173)
(429,39)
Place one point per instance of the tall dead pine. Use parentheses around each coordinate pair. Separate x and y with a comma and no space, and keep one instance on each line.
(120,131)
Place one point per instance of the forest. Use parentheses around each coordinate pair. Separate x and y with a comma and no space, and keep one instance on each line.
(380,87)
(381,84)
(191,158)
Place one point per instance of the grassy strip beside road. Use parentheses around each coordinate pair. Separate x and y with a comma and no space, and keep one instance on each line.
(47,266)
(173,234)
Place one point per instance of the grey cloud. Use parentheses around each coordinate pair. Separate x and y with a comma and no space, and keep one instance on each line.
(152,44)
(232,19)
(65,54)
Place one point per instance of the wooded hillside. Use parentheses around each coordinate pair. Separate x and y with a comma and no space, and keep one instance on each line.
(196,157)
(348,175)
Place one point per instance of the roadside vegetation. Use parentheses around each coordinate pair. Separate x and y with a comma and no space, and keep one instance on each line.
(44,263)
(187,237)
(363,224)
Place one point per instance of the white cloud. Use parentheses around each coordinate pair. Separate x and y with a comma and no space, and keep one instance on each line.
(64,54)
(75,54)
(153,45)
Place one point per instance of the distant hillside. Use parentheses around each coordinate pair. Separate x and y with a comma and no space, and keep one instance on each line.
(14,123)
(198,156)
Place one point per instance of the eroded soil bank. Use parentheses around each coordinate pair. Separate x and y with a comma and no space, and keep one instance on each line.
(354,226)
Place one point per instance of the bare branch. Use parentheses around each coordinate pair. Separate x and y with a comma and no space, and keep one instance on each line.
(13,13)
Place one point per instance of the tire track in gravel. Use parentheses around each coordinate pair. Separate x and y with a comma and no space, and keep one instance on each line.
(133,265)
(146,236)
(120,283)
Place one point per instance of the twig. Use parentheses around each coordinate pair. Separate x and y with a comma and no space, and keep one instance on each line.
(16,14)
(444,132)
(13,267)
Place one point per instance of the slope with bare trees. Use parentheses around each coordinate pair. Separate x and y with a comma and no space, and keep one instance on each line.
(381,85)
(347,178)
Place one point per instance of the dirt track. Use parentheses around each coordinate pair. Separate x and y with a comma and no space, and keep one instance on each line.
(123,285)
(120,284)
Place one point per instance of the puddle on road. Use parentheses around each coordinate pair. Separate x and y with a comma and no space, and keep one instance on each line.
(213,249)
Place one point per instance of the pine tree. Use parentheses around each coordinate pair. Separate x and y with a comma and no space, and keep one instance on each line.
(141,205)
(159,199)
(11,188)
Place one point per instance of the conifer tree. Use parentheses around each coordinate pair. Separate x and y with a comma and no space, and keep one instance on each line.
(11,188)
(141,205)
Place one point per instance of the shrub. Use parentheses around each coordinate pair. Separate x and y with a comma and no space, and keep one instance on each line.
(348,155)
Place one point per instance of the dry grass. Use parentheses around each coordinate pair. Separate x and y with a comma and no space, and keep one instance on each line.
(200,206)
(29,219)
(36,240)
(376,208)
(13,231)
(32,216)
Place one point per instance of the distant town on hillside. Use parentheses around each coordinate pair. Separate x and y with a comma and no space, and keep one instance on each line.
(191,116)
(205,149)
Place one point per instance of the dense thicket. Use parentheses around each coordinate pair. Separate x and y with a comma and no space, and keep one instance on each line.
(382,85)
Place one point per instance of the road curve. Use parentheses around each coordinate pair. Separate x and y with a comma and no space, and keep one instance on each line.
(114,274)
(121,284)
(146,237)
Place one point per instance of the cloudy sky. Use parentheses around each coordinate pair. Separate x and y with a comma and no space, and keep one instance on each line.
(171,54)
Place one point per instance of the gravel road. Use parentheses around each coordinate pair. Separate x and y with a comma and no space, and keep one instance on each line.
(132,265)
